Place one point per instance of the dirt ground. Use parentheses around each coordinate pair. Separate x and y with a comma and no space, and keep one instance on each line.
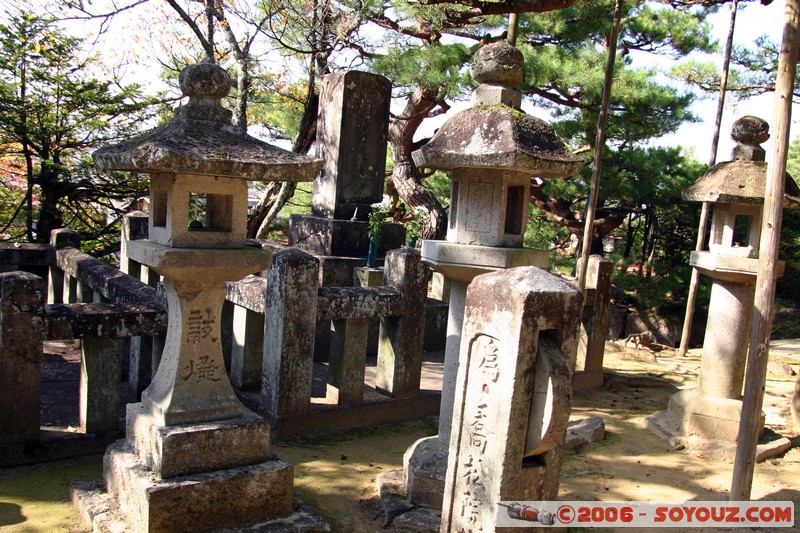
(336,474)
(629,464)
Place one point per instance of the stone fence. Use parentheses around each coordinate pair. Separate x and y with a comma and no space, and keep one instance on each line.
(56,292)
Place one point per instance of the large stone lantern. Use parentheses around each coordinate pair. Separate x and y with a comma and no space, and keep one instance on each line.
(189,421)
(493,149)
(735,190)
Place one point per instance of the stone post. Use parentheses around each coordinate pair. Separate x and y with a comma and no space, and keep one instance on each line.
(60,238)
(22,297)
(513,395)
(247,350)
(594,326)
(402,337)
(352,133)
(101,361)
(290,318)
(347,360)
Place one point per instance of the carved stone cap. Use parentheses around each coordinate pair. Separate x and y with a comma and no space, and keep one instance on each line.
(499,63)
(749,132)
(743,180)
(499,137)
(202,140)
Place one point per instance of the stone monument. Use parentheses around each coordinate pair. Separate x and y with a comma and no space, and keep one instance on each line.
(513,395)
(352,129)
(736,191)
(195,459)
(493,150)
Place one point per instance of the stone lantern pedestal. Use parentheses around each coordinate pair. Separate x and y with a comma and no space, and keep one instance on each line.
(194,458)
(713,409)
(493,150)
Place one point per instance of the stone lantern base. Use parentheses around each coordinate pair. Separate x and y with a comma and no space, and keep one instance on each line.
(191,478)
(693,413)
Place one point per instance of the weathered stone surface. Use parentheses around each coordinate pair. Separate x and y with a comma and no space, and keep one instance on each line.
(171,451)
(337,303)
(111,320)
(726,340)
(425,470)
(513,394)
(352,132)
(198,502)
(291,308)
(201,140)
(594,324)
(498,137)
(247,350)
(419,519)
(462,262)
(662,329)
(101,366)
(584,431)
(106,280)
(695,413)
(347,360)
(348,238)
(392,495)
(402,337)
(498,62)
(99,511)
(21,307)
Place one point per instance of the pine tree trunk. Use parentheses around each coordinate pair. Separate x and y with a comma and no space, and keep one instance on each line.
(406,176)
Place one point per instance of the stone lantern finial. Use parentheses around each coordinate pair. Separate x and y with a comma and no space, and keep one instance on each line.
(749,132)
(205,84)
(498,67)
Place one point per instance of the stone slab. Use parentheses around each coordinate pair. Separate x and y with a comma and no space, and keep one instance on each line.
(391,487)
(98,510)
(463,262)
(729,268)
(425,468)
(420,519)
(695,413)
(584,431)
(186,449)
(199,502)
(349,238)
(227,264)
(770,444)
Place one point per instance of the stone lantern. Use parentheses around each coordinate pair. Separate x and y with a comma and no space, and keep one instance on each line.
(493,149)
(735,190)
(189,420)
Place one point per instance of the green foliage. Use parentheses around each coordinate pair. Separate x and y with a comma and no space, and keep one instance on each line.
(377,216)
(53,113)
(438,66)
(565,65)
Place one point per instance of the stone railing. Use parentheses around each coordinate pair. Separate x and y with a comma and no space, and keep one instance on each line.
(120,320)
(74,296)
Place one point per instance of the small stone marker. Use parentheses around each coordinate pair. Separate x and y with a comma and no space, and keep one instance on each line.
(513,395)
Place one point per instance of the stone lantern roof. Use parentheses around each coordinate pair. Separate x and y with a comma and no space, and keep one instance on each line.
(742,180)
(495,133)
(202,140)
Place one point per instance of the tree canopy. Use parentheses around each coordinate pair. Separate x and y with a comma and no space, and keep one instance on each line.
(53,113)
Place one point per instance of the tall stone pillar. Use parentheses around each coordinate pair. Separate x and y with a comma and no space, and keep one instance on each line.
(352,129)
(190,422)
(492,150)
(735,190)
